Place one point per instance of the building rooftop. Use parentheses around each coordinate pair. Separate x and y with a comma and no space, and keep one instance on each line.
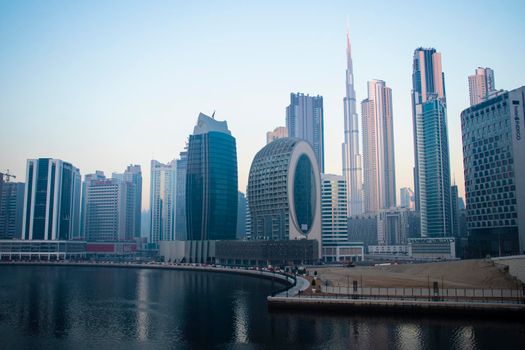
(205,124)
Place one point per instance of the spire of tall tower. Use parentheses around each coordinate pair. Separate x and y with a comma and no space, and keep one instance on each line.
(351,156)
(348,46)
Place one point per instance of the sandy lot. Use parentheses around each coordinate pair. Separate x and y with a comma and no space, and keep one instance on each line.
(454,274)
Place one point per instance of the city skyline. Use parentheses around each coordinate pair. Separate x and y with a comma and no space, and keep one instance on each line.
(94,79)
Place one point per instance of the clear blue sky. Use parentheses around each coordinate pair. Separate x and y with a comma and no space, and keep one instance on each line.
(103,84)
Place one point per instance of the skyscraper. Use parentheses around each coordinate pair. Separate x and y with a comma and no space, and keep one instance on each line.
(431,153)
(304,120)
(180,201)
(334,221)
(494,167)
(407,198)
(284,192)
(241,216)
(277,133)
(11,209)
(454,210)
(162,201)
(378,148)
(51,200)
(98,175)
(334,209)
(133,176)
(481,85)
(108,209)
(211,181)
(352,170)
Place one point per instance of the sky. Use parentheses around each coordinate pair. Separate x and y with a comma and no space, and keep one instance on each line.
(104,84)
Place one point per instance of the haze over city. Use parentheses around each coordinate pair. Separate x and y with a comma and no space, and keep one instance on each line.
(107,84)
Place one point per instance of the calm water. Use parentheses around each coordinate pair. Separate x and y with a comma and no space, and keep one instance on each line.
(60,307)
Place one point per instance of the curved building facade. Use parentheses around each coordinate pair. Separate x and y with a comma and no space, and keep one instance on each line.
(284,193)
(211,182)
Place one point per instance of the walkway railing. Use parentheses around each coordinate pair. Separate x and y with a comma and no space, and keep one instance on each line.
(462,295)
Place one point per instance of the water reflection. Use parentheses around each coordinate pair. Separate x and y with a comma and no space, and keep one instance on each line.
(72,307)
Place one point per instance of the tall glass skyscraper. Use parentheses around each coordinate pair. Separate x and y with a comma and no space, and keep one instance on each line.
(51,200)
(431,153)
(180,202)
(352,170)
(211,182)
(378,148)
(163,191)
(304,120)
(11,208)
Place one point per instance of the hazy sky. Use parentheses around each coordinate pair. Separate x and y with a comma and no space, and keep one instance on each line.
(103,84)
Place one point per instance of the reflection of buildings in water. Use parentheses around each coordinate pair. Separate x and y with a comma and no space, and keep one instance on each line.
(465,338)
(240,317)
(407,336)
(142,305)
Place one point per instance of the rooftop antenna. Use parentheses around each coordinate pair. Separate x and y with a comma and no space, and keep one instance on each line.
(213,114)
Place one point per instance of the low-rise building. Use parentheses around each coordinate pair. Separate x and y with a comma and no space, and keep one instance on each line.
(41,249)
(432,248)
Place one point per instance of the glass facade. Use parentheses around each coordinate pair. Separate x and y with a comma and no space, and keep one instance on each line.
(492,182)
(211,187)
(180,207)
(431,153)
(163,192)
(304,120)
(435,171)
(52,200)
(304,193)
(283,181)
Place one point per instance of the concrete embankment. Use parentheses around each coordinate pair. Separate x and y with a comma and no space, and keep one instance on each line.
(400,307)
(281,278)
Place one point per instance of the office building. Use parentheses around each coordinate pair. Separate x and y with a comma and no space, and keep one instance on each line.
(454,210)
(481,85)
(242,208)
(37,249)
(394,226)
(334,222)
(98,175)
(133,176)
(51,200)
(108,209)
(431,153)
(352,167)
(11,208)
(211,182)
(363,228)
(248,221)
(379,186)
(494,169)
(180,201)
(163,190)
(407,198)
(304,120)
(284,192)
(277,133)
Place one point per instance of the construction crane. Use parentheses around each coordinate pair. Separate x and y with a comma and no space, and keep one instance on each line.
(7,175)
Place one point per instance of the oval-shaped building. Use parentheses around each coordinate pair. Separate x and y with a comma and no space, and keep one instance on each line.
(284,194)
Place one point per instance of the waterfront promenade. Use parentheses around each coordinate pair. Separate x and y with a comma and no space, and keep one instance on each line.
(280,277)
(489,291)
